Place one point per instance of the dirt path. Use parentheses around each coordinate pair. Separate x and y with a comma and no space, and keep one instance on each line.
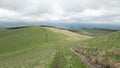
(85,59)
(59,61)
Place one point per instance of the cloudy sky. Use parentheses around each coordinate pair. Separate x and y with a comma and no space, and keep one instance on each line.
(70,11)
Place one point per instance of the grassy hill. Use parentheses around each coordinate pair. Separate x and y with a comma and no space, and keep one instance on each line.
(38,47)
(20,39)
(47,47)
(104,50)
(107,42)
(94,31)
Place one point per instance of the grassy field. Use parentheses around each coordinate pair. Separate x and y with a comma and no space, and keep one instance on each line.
(103,50)
(38,47)
(47,47)
(94,31)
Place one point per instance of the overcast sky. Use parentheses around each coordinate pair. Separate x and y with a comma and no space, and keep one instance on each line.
(70,11)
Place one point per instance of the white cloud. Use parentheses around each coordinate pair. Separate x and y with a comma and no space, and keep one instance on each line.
(86,11)
(8,13)
(93,12)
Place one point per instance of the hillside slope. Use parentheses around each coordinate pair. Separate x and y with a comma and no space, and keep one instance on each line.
(104,50)
(15,40)
(107,42)
(37,47)
(95,31)
(69,35)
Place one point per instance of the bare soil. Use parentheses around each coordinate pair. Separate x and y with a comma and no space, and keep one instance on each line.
(59,61)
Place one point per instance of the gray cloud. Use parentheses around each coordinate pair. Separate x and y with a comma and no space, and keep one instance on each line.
(90,11)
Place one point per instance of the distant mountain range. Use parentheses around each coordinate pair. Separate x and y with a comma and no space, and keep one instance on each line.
(72,26)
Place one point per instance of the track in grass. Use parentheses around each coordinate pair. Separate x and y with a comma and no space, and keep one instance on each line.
(85,59)
(59,60)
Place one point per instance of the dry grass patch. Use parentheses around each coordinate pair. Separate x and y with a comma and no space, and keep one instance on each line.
(70,35)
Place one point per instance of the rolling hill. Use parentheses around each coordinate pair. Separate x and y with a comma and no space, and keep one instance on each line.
(95,31)
(48,47)
(38,47)
(103,50)
(20,39)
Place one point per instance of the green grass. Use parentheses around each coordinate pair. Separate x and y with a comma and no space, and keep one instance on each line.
(39,47)
(110,41)
(94,32)
(106,47)
(70,60)
(24,39)
(33,48)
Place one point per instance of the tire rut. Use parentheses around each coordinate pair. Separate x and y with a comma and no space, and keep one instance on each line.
(59,61)
(85,59)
